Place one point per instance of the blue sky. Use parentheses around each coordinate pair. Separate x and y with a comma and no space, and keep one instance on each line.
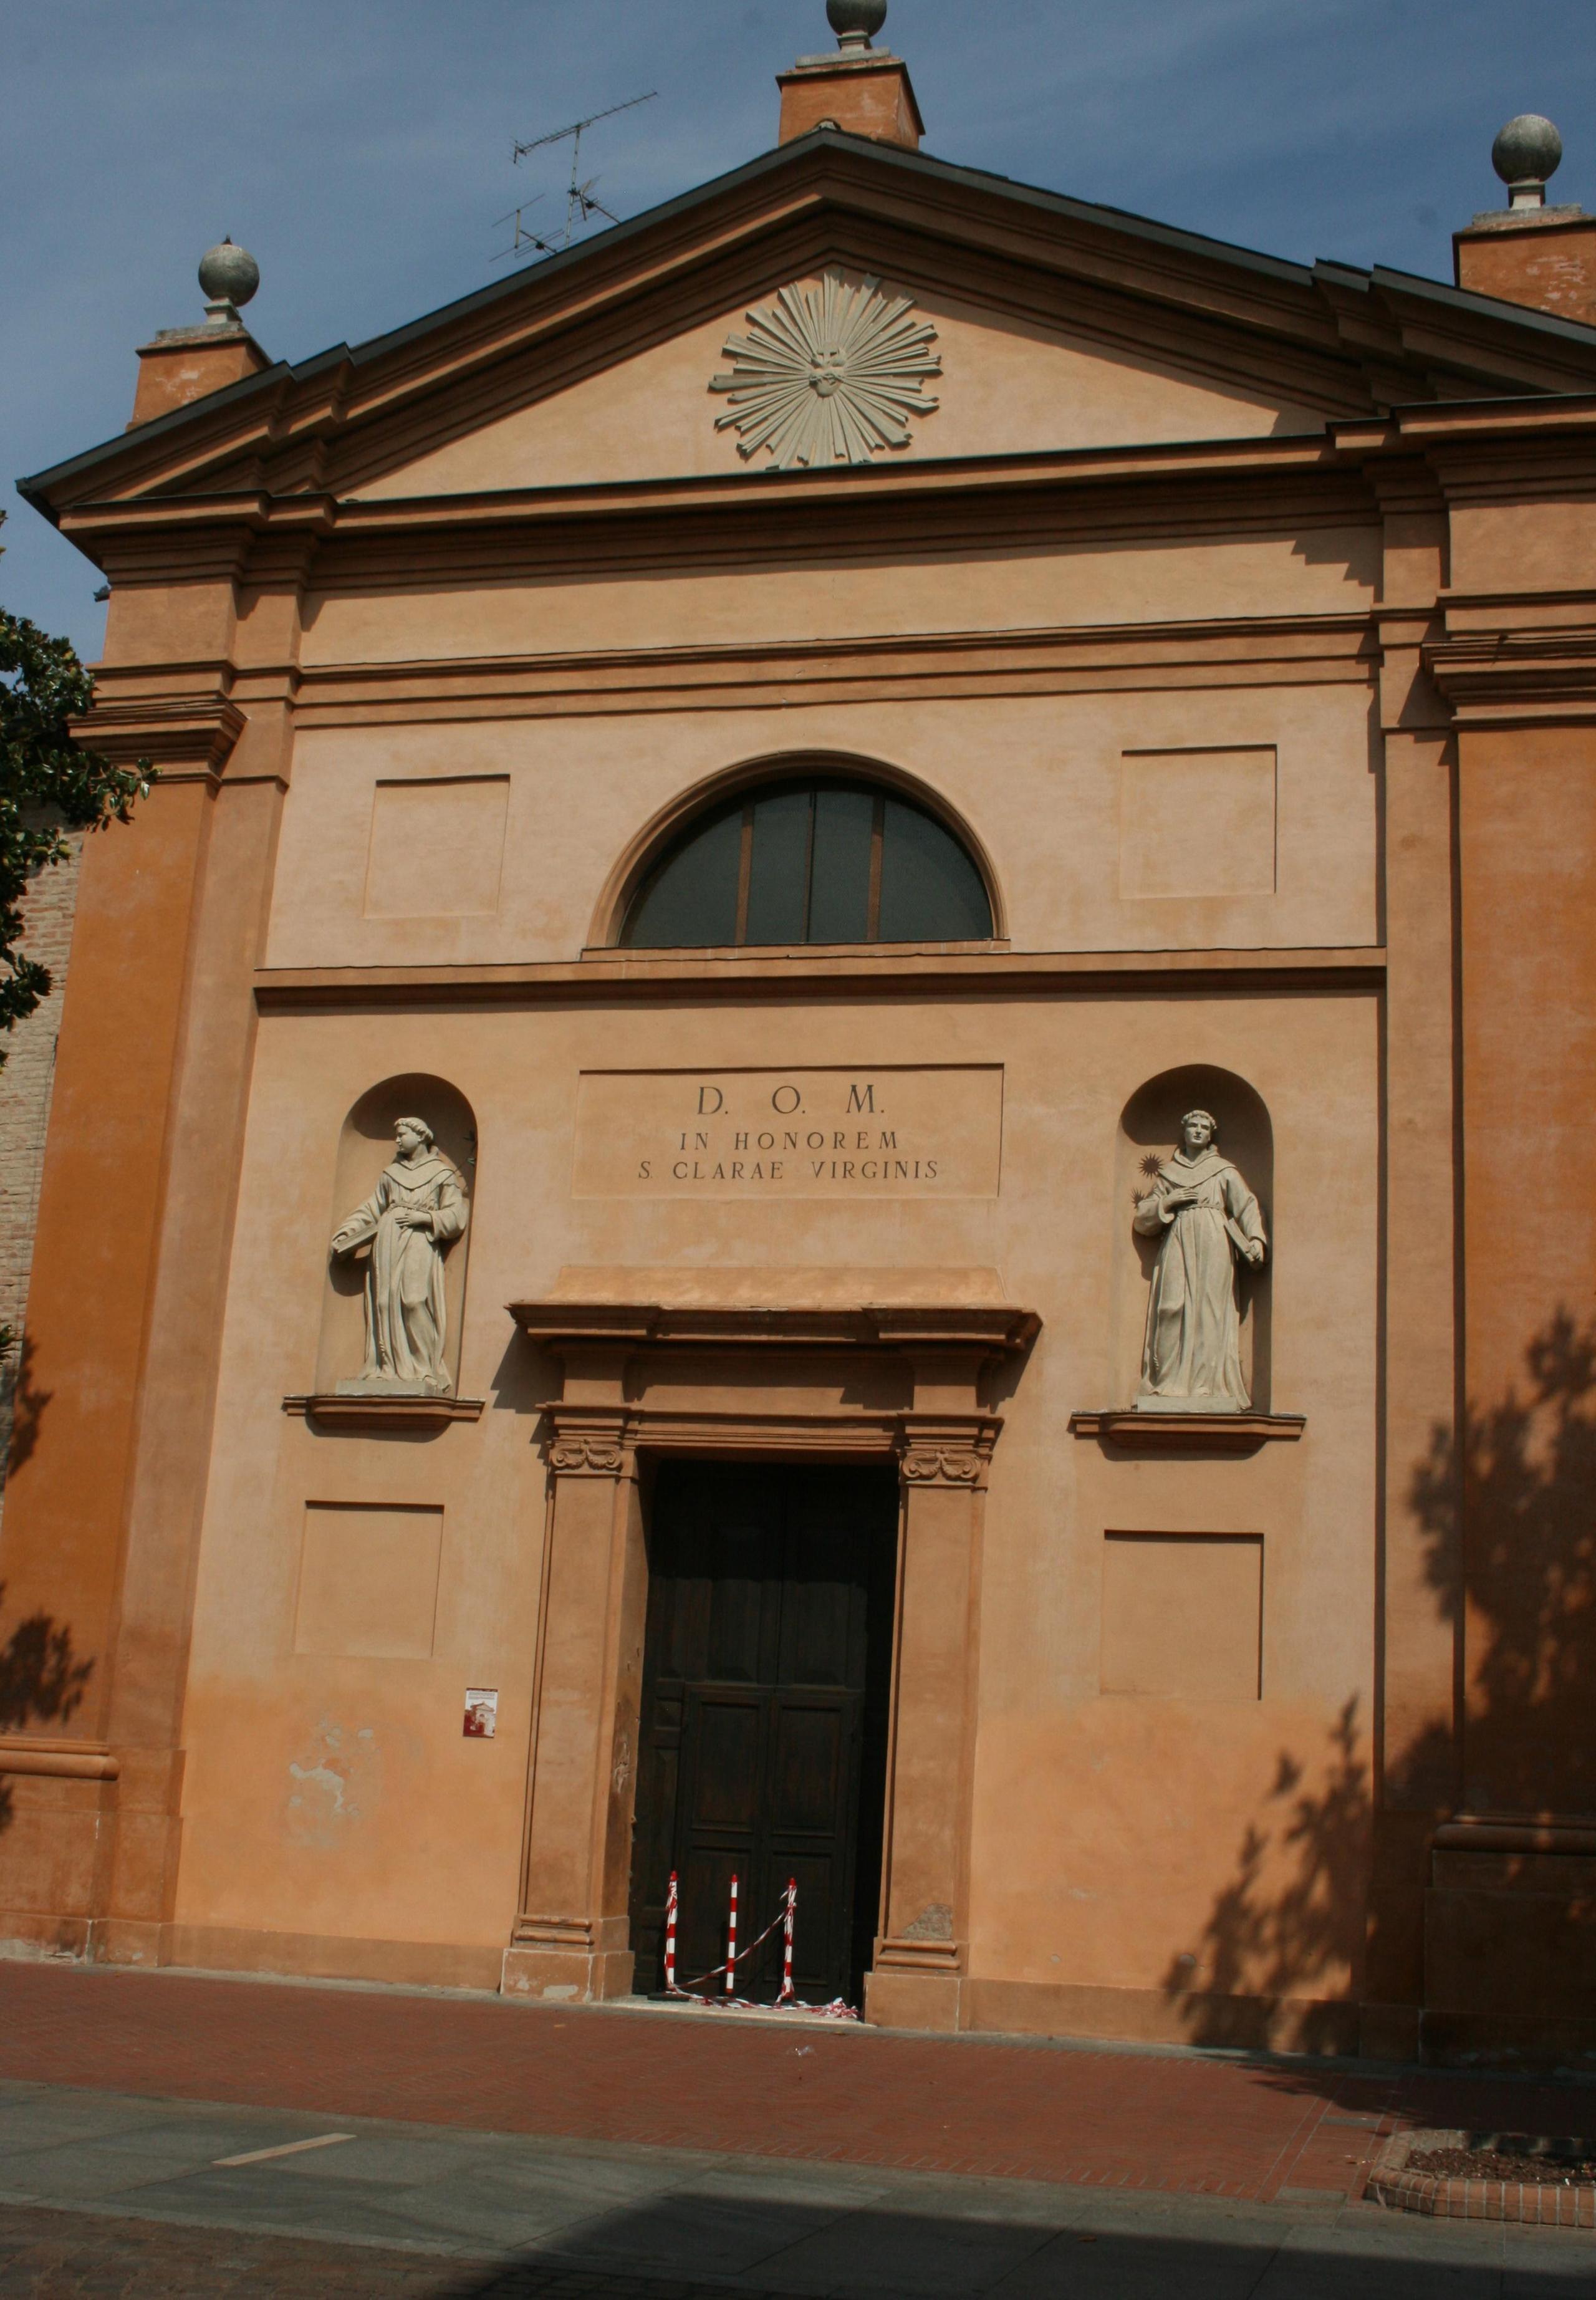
(362,151)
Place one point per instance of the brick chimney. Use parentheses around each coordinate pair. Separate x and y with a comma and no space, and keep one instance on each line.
(1528,253)
(184,364)
(864,89)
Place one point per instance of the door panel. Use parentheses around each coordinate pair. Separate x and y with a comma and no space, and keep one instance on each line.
(704,1881)
(762,1750)
(725,1754)
(806,1773)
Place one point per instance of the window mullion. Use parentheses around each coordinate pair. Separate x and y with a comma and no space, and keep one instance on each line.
(873,910)
(745,870)
(809,868)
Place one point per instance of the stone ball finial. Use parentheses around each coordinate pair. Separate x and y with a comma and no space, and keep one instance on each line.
(855,22)
(229,274)
(1527,150)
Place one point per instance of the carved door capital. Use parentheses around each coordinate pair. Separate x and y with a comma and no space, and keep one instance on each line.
(947,1450)
(942,1465)
(588,1445)
(594,1457)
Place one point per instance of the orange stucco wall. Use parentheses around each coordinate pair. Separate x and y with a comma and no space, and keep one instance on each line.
(1262,786)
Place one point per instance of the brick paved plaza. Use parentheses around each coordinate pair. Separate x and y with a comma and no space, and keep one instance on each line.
(153,2132)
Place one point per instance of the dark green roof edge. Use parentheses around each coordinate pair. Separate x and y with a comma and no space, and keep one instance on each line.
(34,489)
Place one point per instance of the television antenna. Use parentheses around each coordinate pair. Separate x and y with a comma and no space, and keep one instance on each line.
(580,205)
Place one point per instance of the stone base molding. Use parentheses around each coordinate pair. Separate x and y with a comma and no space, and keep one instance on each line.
(1158,2016)
(917,1979)
(333,1956)
(641,1382)
(569,1960)
(66,1761)
(1510,1939)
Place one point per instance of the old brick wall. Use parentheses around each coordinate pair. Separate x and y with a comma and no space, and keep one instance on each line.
(25,1083)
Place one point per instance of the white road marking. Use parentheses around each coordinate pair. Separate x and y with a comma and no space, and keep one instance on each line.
(288,2148)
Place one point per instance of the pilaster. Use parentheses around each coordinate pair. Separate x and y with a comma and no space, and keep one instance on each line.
(1415,1739)
(126,1300)
(570,1939)
(921,1960)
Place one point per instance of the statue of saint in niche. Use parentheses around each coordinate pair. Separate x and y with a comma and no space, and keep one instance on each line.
(415,1215)
(1210,1224)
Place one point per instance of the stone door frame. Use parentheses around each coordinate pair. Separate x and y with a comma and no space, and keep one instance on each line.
(629,1375)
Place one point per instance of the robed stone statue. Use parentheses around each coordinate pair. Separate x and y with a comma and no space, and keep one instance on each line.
(1208,1223)
(415,1215)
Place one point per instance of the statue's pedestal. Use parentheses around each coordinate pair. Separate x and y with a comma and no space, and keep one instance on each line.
(1196,1428)
(352,1406)
(1154,1401)
(383,1385)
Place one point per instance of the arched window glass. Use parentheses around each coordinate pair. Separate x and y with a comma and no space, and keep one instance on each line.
(811,861)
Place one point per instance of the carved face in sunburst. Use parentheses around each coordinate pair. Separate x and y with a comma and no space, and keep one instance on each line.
(829,371)
(827,375)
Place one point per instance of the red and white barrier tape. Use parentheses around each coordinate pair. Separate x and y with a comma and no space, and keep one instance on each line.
(789,1995)
(788,1998)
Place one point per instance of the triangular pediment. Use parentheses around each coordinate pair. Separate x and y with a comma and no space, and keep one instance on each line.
(1003,385)
(1058,326)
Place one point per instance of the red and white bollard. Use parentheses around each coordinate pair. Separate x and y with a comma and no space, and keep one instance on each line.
(670,1900)
(788,1993)
(731,1943)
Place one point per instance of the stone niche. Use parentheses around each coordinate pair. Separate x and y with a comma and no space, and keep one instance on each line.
(365,1147)
(1149,1134)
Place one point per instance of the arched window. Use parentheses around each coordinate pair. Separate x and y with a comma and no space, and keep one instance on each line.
(812,861)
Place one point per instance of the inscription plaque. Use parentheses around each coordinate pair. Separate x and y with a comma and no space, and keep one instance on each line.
(855,1134)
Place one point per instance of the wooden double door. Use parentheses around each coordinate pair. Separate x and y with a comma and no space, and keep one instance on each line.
(765,1698)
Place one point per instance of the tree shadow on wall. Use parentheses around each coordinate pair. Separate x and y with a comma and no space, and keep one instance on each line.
(1508,1515)
(26,1402)
(1290,1922)
(42,1682)
(1507,1508)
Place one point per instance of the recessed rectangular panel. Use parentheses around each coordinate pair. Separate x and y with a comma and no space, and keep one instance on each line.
(1197,822)
(368,1582)
(863,1134)
(816,1944)
(705,1875)
(807,1783)
(727,1750)
(1183,1615)
(438,848)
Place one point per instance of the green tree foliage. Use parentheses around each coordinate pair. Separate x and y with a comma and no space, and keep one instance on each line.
(49,784)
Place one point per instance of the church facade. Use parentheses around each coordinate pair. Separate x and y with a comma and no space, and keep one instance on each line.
(833,1124)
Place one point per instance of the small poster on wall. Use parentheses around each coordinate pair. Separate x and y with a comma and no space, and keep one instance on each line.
(481,1713)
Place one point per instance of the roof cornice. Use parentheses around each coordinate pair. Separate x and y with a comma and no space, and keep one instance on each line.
(144,534)
(1404,337)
